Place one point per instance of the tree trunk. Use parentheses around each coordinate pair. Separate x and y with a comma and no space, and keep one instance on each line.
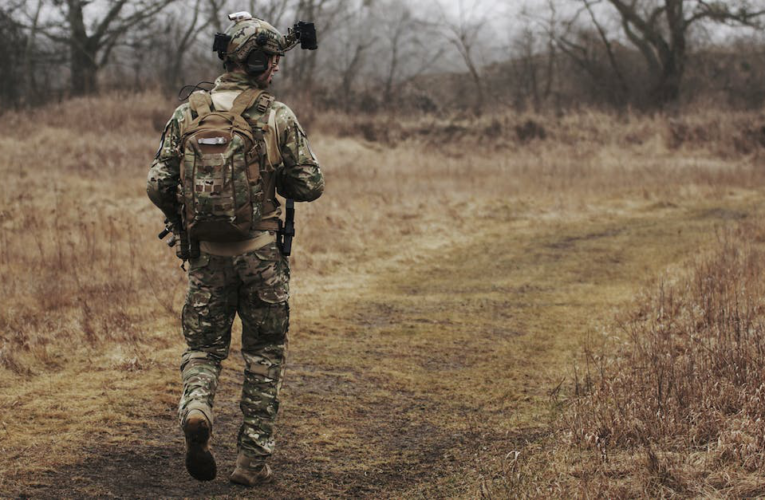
(479,93)
(84,70)
(667,89)
(82,50)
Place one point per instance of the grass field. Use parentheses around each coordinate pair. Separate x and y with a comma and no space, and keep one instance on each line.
(467,299)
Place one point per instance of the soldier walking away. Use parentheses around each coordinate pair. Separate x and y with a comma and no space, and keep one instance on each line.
(222,158)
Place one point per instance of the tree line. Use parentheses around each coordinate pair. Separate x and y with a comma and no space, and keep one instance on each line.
(402,55)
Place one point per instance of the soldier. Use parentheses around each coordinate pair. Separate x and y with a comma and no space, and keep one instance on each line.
(222,158)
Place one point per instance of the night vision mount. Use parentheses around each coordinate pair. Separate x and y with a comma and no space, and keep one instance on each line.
(220,44)
(302,32)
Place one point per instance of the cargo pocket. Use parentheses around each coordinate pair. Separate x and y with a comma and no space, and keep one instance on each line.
(195,316)
(274,295)
(276,320)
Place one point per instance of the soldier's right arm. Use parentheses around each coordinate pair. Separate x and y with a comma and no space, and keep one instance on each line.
(165,172)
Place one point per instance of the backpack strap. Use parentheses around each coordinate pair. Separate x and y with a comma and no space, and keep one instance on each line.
(265,129)
(244,100)
(200,103)
(262,100)
(272,140)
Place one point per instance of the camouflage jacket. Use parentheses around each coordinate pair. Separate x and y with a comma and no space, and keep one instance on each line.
(298,177)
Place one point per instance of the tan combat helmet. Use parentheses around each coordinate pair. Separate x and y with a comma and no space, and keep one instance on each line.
(249,34)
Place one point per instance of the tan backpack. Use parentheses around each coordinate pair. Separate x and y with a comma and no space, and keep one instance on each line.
(227,174)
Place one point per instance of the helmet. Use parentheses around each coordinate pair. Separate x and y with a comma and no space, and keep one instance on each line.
(248,34)
(250,41)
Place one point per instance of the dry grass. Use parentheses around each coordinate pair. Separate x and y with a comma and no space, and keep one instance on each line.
(74,209)
(90,297)
(680,396)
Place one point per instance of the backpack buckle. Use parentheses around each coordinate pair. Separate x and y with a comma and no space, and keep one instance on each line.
(264,101)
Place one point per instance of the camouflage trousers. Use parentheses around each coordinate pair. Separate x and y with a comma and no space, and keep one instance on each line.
(256,286)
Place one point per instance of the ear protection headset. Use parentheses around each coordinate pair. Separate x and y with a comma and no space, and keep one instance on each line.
(256,63)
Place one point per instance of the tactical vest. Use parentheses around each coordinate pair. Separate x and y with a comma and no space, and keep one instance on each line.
(228,169)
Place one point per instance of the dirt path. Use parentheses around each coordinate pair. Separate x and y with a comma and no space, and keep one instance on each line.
(422,381)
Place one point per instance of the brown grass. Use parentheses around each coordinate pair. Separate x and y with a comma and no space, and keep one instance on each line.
(678,392)
(79,266)
(89,294)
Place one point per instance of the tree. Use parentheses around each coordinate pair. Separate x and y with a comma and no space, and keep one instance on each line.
(463,33)
(327,15)
(536,48)
(355,36)
(184,34)
(11,36)
(660,30)
(593,51)
(405,46)
(90,49)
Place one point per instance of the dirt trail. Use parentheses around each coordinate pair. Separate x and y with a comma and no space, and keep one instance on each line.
(420,383)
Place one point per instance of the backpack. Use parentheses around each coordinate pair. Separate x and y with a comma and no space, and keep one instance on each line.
(227,178)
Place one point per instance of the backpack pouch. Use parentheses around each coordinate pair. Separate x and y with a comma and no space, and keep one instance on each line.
(220,205)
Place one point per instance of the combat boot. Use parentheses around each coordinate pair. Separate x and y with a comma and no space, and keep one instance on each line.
(251,471)
(200,461)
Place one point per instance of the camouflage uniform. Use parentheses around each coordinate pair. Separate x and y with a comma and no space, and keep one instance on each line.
(254,284)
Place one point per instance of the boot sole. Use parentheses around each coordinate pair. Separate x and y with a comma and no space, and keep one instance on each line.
(200,462)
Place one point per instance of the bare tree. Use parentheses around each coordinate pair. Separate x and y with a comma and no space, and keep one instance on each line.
(526,46)
(11,35)
(660,29)
(272,11)
(594,52)
(327,15)
(90,49)
(184,33)
(404,46)
(353,39)
(29,50)
(463,33)
(217,12)
(535,46)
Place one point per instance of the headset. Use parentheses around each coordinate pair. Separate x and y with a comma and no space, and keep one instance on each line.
(256,63)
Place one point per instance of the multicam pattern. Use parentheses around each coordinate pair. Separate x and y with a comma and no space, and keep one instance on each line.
(219,195)
(244,37)
(298,177)
(256,286)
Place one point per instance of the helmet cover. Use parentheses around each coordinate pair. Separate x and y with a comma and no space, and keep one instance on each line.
(253,34)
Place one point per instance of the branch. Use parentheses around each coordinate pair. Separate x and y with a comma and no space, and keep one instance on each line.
(721,13)
(609,49)
(192,29)
(110,16)
(569,49)
(644,47)
(134,19)
(649,31)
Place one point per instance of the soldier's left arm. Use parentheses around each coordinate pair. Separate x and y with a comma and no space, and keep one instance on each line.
(299,177)
(165,172)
